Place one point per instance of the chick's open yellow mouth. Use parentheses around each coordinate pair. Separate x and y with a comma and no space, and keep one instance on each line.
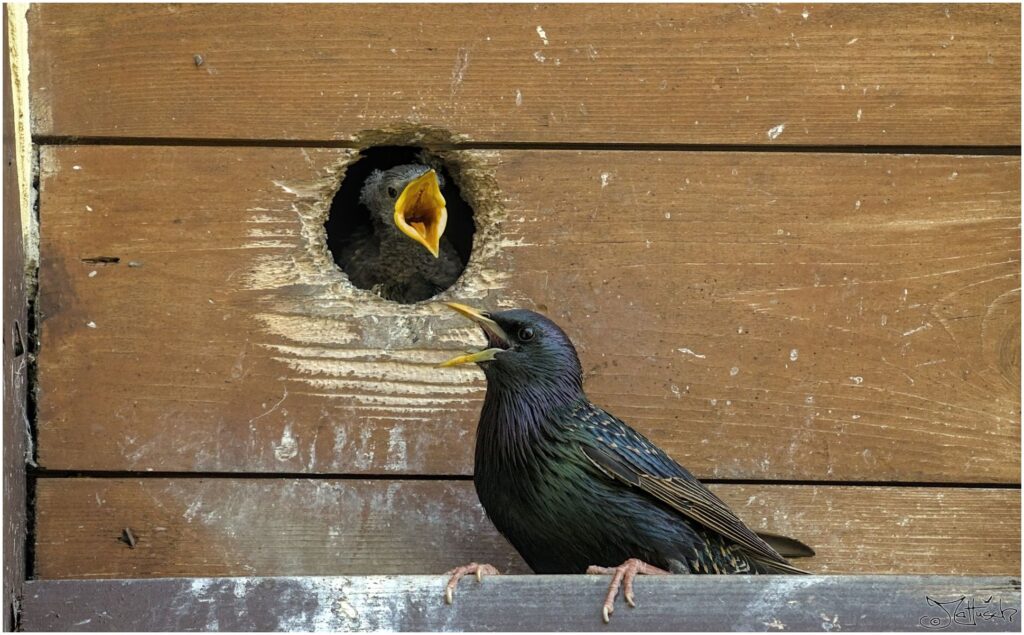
(420,212)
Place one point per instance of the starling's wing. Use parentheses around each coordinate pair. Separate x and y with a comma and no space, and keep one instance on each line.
(625,455)
(361,255)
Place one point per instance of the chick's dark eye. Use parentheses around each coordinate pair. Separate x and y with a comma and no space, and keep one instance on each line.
(525,334)
(392,192)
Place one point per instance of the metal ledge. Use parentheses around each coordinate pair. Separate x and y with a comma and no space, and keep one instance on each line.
(525,603)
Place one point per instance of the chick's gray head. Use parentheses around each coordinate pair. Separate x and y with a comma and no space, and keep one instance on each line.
(406,200)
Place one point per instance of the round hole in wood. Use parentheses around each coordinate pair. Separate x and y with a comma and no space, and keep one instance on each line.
(363,234)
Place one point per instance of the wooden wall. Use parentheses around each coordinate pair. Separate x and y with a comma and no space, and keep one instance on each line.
(786,240)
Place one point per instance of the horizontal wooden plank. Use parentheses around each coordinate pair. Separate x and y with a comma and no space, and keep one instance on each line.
(223,526)
(525,603)
(781,316)
(744,74)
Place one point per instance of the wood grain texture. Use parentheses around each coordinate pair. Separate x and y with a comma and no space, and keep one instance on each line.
(213,527)
(15,373)
(737,74)
(789,316)
(542,603)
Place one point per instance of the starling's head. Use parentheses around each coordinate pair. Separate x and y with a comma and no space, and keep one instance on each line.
(524,349)
(408,199)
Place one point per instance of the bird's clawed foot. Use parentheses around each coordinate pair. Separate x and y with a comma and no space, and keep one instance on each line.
(623,575)
(460,572)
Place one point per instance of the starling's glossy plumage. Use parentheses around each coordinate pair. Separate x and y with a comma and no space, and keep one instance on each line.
(570,485)
(393,257)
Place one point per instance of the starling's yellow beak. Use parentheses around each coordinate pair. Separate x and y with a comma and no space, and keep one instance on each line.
(420,212)
(485,355)
(496,337)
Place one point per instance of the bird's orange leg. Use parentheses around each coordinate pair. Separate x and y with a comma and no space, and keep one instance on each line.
(460,572)
(623,575)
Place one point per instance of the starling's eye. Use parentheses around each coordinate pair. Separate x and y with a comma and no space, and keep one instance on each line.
(392,192)
(525,334)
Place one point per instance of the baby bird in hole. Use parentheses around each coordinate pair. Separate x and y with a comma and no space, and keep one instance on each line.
(405,257)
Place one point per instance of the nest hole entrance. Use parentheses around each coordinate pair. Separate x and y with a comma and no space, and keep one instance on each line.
(354,237)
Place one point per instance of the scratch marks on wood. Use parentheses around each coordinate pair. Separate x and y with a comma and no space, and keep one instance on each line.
(305,329)
(923,327)
(402,380)
(271,409)
(459,69)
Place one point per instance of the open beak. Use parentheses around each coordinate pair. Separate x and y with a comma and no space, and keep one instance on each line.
(420,212)
(497,341)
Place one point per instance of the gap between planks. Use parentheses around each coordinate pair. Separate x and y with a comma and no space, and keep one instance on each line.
(954,150)
(321,476)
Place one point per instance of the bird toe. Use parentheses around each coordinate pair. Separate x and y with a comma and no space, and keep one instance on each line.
(458,573)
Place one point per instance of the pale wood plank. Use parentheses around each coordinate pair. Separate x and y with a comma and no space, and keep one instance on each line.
(743,74)
(521,603)
(759,316)
(213,527)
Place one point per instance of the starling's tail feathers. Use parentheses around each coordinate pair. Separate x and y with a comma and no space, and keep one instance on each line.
(774,567)
(787,547)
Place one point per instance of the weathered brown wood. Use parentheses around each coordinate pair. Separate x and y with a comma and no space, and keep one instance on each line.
(776,316)
(211,527)
(15,357)
(746,74)
(526,603)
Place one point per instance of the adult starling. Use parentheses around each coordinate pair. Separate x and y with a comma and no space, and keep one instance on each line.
(575,489)
(404,256)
